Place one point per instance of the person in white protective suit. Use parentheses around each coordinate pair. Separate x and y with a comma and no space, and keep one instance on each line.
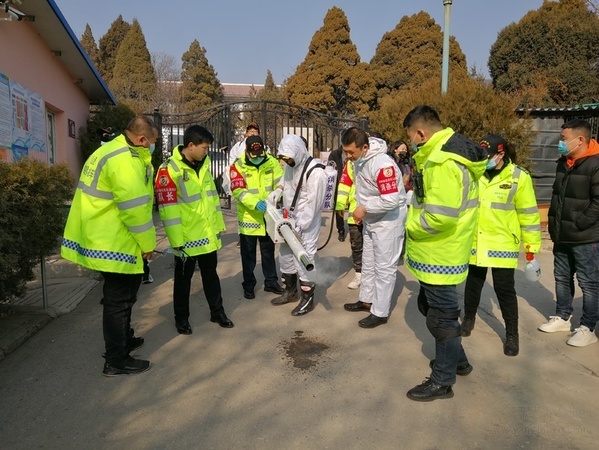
(381,200)
(306,212)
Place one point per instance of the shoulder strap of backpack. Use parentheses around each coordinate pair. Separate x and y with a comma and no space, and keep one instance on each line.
(299,185)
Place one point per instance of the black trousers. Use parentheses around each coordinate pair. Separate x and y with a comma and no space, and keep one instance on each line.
(503,284)
(184,269)
(120,294)
(356,241)
(339,221)
(248,260)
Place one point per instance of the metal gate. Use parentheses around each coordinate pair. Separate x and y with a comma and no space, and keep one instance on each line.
(227,123)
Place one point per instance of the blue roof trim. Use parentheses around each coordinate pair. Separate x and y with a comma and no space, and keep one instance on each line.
(83,53)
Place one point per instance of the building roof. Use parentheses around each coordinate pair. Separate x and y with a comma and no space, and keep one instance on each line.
(585,109)
(47,20)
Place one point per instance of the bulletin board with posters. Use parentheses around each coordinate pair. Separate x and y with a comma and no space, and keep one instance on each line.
(22,122)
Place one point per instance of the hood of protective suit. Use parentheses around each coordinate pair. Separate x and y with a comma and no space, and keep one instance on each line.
(293,146)
(376,146)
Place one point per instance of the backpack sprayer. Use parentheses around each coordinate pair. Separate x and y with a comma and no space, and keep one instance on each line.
(281,228)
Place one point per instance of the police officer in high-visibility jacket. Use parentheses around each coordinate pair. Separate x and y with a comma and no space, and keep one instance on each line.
(190,210)
(346,199)
(440,228)
(110,229)
(507,217)
(254,176)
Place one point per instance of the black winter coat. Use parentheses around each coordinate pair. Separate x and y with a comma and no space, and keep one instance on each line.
(574,211)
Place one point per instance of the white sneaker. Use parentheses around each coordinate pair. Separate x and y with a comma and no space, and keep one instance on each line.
(556,323)
(582,337)
(355,283)
(148,280)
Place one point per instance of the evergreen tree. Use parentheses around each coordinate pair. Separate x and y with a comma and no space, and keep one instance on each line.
(270,91)
(108,46)
(89,44)
(134,81)
(324,81)
(412,53)
(551,55)
(200,86)
(471,107)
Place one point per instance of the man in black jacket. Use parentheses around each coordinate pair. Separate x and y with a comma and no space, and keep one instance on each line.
(574,230)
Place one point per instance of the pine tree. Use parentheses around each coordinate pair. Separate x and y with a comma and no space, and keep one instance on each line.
(323,81)
(271,91)
(412,53)
(89,44)
(200,86)
(108,46)
(550,56)
(134,81)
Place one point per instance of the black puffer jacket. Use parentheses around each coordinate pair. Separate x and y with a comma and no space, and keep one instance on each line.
(574,210)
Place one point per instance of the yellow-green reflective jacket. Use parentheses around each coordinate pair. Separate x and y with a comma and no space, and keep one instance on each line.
(507,217)
(251,184)
(346,191)
(440,227)
(110,220)
(189,205)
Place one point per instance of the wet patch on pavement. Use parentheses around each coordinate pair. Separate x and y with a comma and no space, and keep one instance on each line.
(303,352)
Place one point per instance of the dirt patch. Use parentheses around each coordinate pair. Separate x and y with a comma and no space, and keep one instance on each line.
(303,352)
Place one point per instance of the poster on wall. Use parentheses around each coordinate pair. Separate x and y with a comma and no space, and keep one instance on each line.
(5,119)
(23,125)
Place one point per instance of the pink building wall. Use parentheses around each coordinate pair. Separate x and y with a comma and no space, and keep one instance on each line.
(27,59)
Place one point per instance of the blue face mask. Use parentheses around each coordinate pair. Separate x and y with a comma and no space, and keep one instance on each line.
(257,161)
(562,147)
(152,148)
(491,163)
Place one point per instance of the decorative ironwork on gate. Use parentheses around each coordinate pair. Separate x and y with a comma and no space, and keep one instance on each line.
(228,121)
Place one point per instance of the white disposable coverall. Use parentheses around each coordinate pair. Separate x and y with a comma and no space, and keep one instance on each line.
(380,189)
(307,212)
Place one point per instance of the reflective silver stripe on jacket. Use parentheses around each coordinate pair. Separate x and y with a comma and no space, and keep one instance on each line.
(141,228)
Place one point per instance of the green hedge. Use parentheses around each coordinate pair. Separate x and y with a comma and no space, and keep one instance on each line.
(33,199)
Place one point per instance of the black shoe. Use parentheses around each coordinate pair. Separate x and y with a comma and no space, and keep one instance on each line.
(128,366)
(276,289)
(183,326)
(467,325)
(249,294)
(222,320)
(356,307)
(511,347)
(147,280)
(372,321)
(134,343)
(429,391)
(462,370)
(341,236)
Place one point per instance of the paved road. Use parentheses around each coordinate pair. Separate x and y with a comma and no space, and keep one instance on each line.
(277,381)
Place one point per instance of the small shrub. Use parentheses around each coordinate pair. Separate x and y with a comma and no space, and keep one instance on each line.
(33,199)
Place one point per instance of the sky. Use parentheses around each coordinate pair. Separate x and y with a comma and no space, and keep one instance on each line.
(243,39)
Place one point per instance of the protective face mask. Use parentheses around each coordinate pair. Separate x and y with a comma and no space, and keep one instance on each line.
(562,147)
(152,148)
(257,161)
(416,147)
(491,163)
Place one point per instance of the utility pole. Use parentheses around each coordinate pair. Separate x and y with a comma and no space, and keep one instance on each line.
(445,65)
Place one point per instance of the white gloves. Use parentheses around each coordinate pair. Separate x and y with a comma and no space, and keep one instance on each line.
(273,197)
